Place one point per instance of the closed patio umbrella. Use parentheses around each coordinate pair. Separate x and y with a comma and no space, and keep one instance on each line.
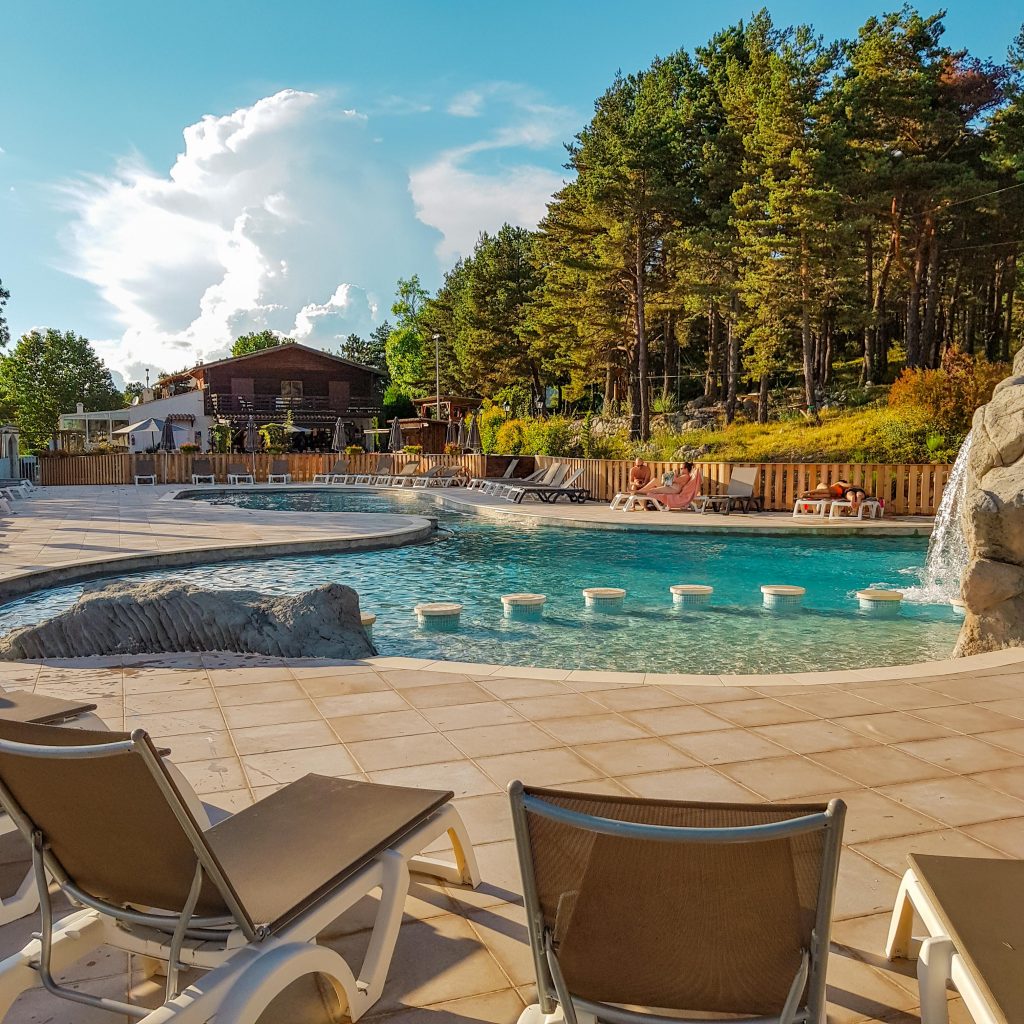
(167,442)
(473,443)
(452,434)
(461,439)
(395,441)
(251,440)
(338,439)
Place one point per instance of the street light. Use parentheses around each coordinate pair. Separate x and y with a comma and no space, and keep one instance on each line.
(437,374)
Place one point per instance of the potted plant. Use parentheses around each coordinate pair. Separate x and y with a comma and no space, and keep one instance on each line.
(354,450)
(451,448)
(413,449)
(188,449)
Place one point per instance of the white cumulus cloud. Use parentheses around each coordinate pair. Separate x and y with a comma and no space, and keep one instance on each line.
(281,215)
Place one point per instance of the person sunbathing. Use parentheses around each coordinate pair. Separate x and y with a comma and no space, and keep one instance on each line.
(639,475)
(677,490)
(840,489)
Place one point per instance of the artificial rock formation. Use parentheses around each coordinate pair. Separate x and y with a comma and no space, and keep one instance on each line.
(162,617)
(993,522)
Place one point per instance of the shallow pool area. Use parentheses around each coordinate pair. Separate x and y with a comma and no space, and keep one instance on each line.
(475,560)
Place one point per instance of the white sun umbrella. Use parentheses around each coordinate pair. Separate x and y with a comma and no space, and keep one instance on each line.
(473,442)
(338,440)
(150,426)
(395,441)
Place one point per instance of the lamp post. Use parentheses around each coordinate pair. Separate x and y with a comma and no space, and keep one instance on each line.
(437,375)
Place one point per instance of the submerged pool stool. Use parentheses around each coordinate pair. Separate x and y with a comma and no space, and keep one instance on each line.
(368,619)
(958,606)
(691,595)
(604,599)
(524,607)
(780,597)
(880,602)
(439,615)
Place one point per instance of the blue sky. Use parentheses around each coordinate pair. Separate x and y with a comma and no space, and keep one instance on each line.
(344,145)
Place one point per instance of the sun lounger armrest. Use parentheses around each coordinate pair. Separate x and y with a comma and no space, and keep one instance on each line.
(296,846)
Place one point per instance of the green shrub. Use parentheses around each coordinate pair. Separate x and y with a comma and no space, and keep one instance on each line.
(491,419)
(510,438)
(396,403)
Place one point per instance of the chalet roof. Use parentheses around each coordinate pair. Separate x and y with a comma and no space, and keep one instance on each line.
(263,353)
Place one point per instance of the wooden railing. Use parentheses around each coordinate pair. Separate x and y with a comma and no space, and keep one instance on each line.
(906,490)
(176,468)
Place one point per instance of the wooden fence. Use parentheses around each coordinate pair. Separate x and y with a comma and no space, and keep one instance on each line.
(907,490)
(176,468)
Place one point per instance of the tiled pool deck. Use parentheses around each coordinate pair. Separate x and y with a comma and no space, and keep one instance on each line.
(930,759)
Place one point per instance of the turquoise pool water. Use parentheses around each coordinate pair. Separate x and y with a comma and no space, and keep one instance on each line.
(475,560)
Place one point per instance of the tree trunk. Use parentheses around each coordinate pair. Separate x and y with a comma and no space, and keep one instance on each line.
(1011,280)
(929,338)
(609,386)
(642,369)
(714,354)
(917,279)
(870,330)
(733,351)
(810,384)
(762,399)
(671,358)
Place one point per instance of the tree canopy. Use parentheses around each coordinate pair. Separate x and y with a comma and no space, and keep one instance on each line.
(48,373)
(258,341)
(5,331)
(753,214)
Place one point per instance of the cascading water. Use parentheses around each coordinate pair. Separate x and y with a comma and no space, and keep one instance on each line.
(947,548)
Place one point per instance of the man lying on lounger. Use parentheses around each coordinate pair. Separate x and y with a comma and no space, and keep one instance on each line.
(840,489)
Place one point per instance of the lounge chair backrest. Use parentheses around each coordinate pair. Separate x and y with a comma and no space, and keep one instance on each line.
(410,468)
(384,464)
(555,470)
(510,469)
(115,825)
(279,467)
(570,481)
(145,467)
(340,467)
(741,483)
(680,906)
(237,469)
(202,467)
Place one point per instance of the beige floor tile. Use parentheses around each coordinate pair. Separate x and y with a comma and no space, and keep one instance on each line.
(1012,706)
(892,853)
(488,817)
(260,739)
(501,739)
(288,765)
(278,713)
(361,704)
(1006,780)
(445,694)
(405,679)
(811,737)
(435,960)
(902,696)
(511,688)
(700,784)
(501,881)
(569,705)
(869,816)
(726,746)
(470,716)
(979,688)
(968,718)
(402,751)
(352,728)
(198,746)
(633,757)
(556,767)
(169,701)
(785,778)
(955,801)
(636,698)
(339,685)
(260,693)
(1007,835)
(593,729)
(878,766)
(832,704)
(893,727)
(761,711)
(244,676)
(857,991)
(864,888)
(670,721)
(1010,739)
(696,693)
(463,778)
(177,722)
(502,930)
(962,754)
(502,1007)
(213,774)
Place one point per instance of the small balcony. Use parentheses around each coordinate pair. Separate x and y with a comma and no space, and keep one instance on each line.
(268,408)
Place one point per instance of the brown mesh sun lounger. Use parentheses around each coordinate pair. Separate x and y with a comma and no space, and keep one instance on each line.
(237,474)
(202,471)
(145,471)
(244,899)
(279,472)
(338,472)
(683,908)
(972,909)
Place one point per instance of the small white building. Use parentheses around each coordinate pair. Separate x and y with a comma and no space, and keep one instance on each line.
(9,468)
(83,431)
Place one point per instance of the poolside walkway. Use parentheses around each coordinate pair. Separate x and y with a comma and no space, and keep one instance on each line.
(934,764)
(931,760)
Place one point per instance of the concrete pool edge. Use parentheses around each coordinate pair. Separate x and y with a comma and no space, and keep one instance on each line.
(18,585)
(779,524)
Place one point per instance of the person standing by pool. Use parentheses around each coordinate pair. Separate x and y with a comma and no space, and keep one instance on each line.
(639,475)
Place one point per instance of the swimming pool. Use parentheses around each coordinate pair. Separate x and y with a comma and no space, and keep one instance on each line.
(475,560)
